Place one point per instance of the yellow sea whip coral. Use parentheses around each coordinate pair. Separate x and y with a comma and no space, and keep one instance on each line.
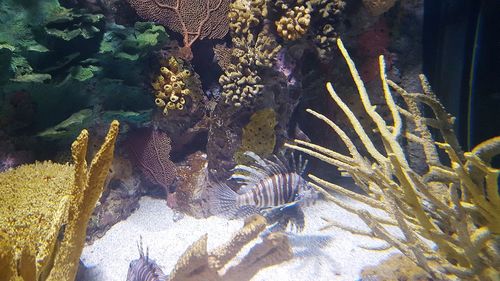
(44,211)
(456,206)
(294,24)
(171,86)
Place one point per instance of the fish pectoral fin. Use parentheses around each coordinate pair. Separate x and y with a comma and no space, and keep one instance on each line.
(245,211)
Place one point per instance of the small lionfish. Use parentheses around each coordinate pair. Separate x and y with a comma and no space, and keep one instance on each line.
(144,269)
(267,185)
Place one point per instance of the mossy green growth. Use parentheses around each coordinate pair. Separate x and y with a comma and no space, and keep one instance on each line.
(41,32)
(68,60)
(85,118)
(259,136)
(132,43)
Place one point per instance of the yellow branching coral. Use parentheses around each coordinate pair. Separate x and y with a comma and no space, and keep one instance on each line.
(294,24)
(240,81)
(245,14)
(171,86)
(199,264)
(44,210)
(455,206)
(378,7)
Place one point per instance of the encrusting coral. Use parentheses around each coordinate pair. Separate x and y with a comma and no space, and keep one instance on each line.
(258,136)
(294,24)
(455,206)
(44,211)
(171,89)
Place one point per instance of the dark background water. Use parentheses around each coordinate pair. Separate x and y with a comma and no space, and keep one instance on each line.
(462,62)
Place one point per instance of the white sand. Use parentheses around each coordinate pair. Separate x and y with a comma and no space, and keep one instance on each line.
(330,255)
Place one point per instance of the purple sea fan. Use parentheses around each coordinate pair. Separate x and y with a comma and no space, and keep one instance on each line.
(151,150)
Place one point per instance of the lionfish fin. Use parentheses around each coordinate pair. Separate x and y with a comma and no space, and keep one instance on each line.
(223,200)
(245,211)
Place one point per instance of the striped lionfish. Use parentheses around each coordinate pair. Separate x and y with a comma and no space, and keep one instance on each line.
(274,188)
(145,269)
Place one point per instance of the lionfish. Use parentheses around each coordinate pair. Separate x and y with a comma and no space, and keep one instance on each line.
(145,269)
(274,188)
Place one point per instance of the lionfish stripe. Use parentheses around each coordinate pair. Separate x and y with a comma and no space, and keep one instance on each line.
(255,195)
(279,190)
(289,188)
(282,189)
(275,192)
(265,193)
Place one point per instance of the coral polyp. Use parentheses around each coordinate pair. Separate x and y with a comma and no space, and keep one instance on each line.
(171,85)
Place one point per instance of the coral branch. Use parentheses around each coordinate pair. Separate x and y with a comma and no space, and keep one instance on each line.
(457,207)
(194,19)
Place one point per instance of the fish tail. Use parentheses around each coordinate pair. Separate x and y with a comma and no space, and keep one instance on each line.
(223,200)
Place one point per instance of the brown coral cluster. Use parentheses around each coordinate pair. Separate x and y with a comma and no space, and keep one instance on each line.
(322,19)
(246,14)
(241,81)
(254,47)
(378,7)
(171,89)
(294,24)
(326,32)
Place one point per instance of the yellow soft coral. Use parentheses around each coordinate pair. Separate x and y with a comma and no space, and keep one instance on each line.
(245,14)
(44,210)
(241,80)
(455,206)
(294,24)
(171,87)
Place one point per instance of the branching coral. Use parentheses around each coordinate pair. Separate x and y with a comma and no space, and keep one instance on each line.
(241,81)
(171,86)
(319,18)
(254,47)
(245,14)
(456,206)
(294,24)
(199,264)
(44,210)
(194,19)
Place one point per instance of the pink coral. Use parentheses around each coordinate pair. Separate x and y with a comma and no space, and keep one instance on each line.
(151,150)
(372,43)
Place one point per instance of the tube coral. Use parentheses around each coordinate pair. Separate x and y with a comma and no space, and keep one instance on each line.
(455,206)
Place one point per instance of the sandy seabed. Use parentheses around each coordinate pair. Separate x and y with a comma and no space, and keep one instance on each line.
(332,254)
